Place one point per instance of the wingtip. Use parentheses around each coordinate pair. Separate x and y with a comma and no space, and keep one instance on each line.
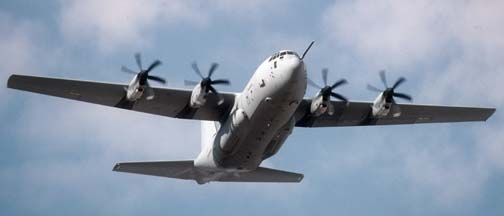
(10,81)
(116,167)
(300,178)
(491,112)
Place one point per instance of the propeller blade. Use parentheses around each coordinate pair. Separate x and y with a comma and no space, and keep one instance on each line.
(313,84)
(212,89)
(403,96)
(153,65)
(383,78)
(138,59)
(336,95)
(307,49)
(156,78)
(372,88)
(127,70)
(398,82)
(340,82)
(220,82)
(212,69)
(190,83)
(196,69)
(324,76)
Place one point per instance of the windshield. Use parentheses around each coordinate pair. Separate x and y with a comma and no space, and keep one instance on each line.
(279,54)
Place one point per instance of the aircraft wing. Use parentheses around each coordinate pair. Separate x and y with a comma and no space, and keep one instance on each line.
(167,102)
(359,114)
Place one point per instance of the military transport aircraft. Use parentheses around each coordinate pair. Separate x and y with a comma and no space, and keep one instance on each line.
(240,130)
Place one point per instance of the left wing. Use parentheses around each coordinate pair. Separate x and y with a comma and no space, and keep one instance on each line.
(167,102)
(359,114)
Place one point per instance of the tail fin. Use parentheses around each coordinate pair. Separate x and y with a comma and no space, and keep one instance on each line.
(186,170)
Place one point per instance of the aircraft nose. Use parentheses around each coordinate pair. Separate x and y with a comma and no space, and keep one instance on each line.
(295,64)
(295,69)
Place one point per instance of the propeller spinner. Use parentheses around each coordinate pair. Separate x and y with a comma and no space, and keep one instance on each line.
(328,90)
(389,92)
(143,75)
(142,78)
(207,82)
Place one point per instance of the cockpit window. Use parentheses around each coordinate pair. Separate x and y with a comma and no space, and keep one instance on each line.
(292,53)
(281,54)
(274,56)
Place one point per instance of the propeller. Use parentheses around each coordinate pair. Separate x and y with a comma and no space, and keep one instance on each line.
(327,90)
(206,82)
(143,75)
(389,92)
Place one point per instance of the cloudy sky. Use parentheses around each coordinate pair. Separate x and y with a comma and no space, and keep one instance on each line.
(56,155)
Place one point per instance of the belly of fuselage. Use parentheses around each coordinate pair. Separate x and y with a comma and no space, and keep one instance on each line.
(274,105)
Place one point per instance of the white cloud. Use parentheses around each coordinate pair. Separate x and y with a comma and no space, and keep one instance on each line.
(491,147)
(390,31)
(459,46)
(19,49)
(393,32)
(114,23)
(111,132)
(16,43)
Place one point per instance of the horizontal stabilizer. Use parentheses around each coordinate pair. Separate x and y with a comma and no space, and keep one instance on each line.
(186,170)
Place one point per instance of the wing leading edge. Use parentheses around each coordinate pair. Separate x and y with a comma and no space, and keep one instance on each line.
(168,102)
(359,114)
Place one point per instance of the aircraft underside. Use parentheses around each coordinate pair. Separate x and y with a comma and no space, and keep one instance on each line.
(240,130)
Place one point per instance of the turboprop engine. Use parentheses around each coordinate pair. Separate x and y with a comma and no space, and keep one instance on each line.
(140,84)
(205,86)
(322,101)
(385,103)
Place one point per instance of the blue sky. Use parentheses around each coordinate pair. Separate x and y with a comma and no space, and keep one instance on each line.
(56,155)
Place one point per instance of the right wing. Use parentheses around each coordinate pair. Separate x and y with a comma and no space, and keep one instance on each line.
(359,114)
(167,102)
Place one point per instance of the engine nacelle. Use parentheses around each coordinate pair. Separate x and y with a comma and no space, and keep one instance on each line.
(382,108)
(134,91)
(320,106)
(198,97)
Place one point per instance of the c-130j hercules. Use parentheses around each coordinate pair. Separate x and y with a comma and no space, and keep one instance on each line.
(240,130)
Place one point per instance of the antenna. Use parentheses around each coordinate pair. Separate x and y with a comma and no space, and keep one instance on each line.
(307,49)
